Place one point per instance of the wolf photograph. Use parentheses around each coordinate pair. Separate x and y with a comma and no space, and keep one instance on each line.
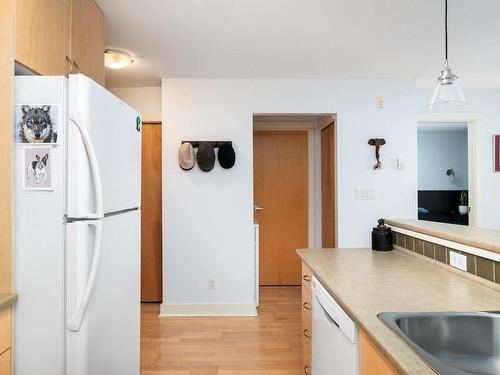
(36,123)
(37,168)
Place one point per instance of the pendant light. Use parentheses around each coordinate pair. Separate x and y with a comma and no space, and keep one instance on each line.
(448,89)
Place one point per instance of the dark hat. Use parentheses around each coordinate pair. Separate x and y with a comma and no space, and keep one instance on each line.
(205,157)
(226,155)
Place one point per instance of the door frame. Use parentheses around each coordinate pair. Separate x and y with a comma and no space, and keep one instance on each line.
(472,121)
(313,123)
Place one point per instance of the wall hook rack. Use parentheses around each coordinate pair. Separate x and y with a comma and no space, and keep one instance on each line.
(215,144)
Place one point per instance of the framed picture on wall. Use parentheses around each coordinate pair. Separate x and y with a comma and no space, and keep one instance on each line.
(496,148)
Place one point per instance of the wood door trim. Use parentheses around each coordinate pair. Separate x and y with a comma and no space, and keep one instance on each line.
(328,186)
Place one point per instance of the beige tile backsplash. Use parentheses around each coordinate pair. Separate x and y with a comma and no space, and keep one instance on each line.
(482,267)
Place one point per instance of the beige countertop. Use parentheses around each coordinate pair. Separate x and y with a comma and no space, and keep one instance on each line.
(366,283)
(7,299)
(487,239)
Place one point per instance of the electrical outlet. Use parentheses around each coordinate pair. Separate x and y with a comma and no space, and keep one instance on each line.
(380,102)
(458,261)
(211,284)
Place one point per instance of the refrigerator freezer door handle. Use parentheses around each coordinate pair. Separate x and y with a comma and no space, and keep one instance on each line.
(75,323)
(96,175)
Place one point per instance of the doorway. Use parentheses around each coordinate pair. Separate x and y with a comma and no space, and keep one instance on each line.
(294,191)
(151,215)
(444,172)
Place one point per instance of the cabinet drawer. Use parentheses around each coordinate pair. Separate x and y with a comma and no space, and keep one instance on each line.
(5,368)
(306,300)
(306,324)
(306,277)
(5,329)
(306,356)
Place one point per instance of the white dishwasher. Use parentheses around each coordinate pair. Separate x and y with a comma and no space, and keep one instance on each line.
(334,336)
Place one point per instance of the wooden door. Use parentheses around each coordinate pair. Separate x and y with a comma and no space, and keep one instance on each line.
(151,218)
(281,189)
(328,186)
(42,35)
(87,38)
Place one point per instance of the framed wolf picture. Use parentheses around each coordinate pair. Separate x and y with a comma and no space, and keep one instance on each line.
(37,168)
(36,123)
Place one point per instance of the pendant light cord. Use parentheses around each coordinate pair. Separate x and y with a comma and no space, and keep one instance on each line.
(446,30)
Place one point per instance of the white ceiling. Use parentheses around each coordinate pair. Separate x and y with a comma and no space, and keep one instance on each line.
(303,39)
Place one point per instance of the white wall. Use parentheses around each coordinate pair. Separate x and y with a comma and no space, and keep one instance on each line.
(483,105)
(208,217)
(439,151)
(147,100)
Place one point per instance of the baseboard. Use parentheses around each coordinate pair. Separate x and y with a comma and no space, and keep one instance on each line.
(173,309)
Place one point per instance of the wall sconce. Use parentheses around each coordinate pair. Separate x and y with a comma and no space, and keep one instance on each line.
(451,174)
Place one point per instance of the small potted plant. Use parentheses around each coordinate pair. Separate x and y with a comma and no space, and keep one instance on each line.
(463,208)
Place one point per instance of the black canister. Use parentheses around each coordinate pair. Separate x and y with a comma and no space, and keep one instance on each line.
(382,237)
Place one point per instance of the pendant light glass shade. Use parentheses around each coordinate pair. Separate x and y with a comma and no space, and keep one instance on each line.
(448,89)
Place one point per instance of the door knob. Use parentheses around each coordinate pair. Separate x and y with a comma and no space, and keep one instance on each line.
(257,208)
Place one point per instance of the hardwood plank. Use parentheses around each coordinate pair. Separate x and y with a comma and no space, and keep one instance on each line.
(270,344)
(281,188)
(6,103)
(151,214)
(328,186)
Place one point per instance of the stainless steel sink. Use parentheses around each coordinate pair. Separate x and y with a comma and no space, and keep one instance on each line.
(452,343)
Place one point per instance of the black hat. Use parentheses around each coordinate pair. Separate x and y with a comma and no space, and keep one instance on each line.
(205,157)
(226,155)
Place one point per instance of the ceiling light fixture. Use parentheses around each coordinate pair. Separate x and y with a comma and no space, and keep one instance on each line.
(448,89)
(115,59)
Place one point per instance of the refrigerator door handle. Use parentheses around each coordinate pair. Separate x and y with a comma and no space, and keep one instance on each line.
(96,175)
(75,323)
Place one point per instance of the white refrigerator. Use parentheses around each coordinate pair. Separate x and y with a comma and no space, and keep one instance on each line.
(76,229)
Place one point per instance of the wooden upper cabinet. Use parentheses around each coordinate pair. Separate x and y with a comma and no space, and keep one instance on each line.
(87,41)
(42,35)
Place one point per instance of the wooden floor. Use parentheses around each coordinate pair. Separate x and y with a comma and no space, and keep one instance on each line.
(269,344)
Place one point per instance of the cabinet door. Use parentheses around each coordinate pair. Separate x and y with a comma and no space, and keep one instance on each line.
(87,39)
(5,329)
(5,368)
(372,362)
(42,35)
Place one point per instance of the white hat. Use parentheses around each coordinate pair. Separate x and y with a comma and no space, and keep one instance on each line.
(186,156)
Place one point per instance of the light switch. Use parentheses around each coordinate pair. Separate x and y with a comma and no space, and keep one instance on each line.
(365,194)
(401,163)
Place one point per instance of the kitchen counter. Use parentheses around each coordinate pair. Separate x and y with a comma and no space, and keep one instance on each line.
(366,283)
(7,299)
(486,239)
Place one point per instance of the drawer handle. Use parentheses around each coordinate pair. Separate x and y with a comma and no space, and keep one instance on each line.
(307,278)
(307,306)
(307,333)
(306,370)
